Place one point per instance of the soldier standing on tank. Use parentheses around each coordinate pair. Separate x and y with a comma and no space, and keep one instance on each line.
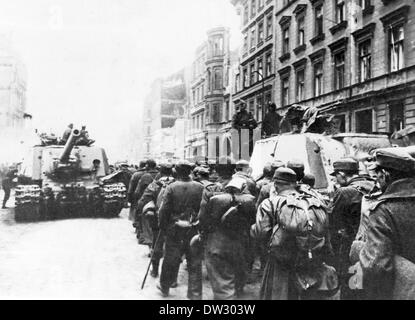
(181,203)
(389,248)
(131,196)
(228,216)
(345,215)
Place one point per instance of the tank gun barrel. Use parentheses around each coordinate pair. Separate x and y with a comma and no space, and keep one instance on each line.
(69,145)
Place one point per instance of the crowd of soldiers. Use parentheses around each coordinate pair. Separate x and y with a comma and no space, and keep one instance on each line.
(309,245)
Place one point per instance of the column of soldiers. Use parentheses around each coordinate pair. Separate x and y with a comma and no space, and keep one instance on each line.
(309,246)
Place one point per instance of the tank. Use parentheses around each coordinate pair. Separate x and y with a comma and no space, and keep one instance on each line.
(60,181)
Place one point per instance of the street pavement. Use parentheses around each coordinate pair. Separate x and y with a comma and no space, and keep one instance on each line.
(80,259)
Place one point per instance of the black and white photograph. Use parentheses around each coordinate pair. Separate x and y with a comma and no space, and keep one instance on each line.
(207,150)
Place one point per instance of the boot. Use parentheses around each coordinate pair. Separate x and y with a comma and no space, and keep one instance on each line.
(154,270)
(163,292)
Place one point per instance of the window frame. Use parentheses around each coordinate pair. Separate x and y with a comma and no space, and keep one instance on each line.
(365,60)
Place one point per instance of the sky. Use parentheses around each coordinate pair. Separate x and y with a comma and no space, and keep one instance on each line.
(92,61)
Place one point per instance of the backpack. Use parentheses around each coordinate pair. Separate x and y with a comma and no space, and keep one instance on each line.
(164,182)
(302,222)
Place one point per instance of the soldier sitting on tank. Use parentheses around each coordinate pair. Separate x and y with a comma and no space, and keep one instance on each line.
(84,139)
(66,134)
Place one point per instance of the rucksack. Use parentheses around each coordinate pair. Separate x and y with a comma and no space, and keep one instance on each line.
(164,182)
(301,221)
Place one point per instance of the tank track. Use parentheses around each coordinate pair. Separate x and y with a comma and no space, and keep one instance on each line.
(70,201)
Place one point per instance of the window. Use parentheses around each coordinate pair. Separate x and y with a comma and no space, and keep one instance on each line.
(245,42)
(285,89)
(365,60)
(300,31)
(252,45)
(268,64)
(227,110)
(252,74)
(148,147)
(251,106)
(259,107)
(216,116)
(396,58)
(217,79)
(245,78)
(340,11)
(318,79)
(260,4)
(260,32)
(365,4)
(339,70)
(364,121)
(269,26)
(285,39)
(202,119)
(237,82)
(253,7)
(300,85)
(218,46)
(246,14)
(396,117)
(318,14)
(260,69)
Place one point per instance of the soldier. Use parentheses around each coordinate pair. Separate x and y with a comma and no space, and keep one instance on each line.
(230,215)
(144,235)
(244,171)
(243,119)
(296,227)
(152,198)
(203,176)
(178,211)
(345,215)
(271,122)
(266,177)
(389,249)
(131,195)
(269,189)
(7,184)
(66,133)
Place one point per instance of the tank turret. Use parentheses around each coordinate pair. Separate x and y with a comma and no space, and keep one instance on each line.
(64,157)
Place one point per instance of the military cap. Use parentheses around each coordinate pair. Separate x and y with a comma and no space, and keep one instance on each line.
(285,174)
(242,164)
(345,164)
(295,164)
(394,158)
(277,164)
(309,179)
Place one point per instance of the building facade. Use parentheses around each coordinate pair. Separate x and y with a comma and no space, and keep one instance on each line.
(164,116)
(255,79)
(351,58)
(211,109)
